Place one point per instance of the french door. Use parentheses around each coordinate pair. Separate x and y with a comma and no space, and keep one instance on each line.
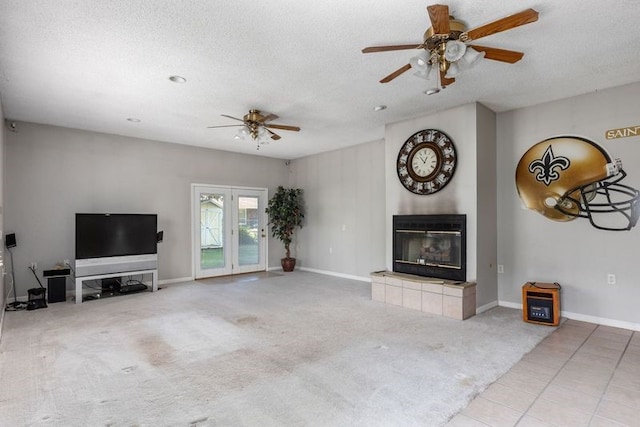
(229,230)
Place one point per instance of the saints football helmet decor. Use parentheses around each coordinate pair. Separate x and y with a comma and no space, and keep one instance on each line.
(569,177)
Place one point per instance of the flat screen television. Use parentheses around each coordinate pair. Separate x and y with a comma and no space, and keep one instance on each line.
(100,235)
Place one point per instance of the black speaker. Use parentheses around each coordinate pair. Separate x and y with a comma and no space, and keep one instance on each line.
(56,287)
(56,272)
(10,240)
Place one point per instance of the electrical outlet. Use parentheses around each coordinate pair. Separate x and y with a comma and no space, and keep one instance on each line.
(500,269)
(611,279)
(33,265)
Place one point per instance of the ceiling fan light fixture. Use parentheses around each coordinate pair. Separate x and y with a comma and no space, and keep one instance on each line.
(470,58)
(243,133)
(445,42)
(453,71)
(420,62)
(424,74)
(454,50)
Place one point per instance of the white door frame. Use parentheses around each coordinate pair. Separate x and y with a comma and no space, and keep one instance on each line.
(230,212)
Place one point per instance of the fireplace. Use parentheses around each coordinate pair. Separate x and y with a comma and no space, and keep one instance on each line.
(430,246)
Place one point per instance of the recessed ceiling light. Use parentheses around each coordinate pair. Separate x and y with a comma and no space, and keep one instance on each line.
(178,79)
(379,107)
(133,120)
(431,91)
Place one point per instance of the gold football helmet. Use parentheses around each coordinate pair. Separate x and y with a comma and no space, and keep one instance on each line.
(568,177)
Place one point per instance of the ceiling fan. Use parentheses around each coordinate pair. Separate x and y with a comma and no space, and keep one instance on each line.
(446,45)
(257,126)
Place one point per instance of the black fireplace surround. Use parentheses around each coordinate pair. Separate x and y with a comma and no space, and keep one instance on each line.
(431,246)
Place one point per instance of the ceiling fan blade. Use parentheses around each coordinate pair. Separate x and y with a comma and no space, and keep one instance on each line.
(439,16)
(283,127)
(510,56)
(274,135)
(445,81)
(268,117)
(373,49)
(223,126)
(230,117)
(396,73)
(521,18)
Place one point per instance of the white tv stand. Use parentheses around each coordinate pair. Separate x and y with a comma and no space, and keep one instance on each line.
(79,280)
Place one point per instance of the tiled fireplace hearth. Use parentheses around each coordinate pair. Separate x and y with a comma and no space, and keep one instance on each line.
(429,295)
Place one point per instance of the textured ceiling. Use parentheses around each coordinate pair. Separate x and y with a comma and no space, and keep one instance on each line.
(91,64)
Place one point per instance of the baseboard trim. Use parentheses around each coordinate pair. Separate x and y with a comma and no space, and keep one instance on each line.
(486,307)
(332,273)
(509,304)
(176,280)
(584,318)
(601,320)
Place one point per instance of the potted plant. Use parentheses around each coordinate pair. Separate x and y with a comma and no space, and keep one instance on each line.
(285,215)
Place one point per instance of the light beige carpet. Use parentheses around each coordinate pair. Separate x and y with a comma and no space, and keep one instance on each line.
(299,349)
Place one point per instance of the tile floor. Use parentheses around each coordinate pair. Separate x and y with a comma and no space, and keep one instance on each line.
(581,375)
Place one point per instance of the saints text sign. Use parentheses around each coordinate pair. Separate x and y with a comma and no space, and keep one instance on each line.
(622,132)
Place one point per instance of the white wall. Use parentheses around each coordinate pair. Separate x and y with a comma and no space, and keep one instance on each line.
(345,210)
(53,172)
(574,254)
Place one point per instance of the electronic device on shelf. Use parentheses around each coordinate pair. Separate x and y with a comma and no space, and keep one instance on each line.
(134,287)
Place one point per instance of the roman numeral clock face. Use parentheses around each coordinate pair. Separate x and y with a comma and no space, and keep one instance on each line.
(426,161)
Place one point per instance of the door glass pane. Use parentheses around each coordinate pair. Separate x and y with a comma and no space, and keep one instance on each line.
(211,231)
(248,250)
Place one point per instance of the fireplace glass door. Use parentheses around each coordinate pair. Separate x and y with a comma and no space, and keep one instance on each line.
(433,248)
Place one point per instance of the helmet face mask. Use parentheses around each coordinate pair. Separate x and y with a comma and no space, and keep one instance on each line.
(607,197)
(566,177)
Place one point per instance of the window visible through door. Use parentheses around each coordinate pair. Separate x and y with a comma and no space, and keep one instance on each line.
(229,230)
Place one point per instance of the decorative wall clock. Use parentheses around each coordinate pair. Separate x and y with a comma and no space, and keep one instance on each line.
(426,161)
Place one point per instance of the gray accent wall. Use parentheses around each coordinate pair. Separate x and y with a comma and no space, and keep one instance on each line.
(471,190)
(487,250)
(344,192)
(574,254)
(54,172)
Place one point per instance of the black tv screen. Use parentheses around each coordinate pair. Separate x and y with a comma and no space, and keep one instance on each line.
(108,235)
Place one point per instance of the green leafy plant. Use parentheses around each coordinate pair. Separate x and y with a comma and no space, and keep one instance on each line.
(245,236)
(285,210)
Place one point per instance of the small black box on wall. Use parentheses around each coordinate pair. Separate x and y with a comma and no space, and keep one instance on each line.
(10,240)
